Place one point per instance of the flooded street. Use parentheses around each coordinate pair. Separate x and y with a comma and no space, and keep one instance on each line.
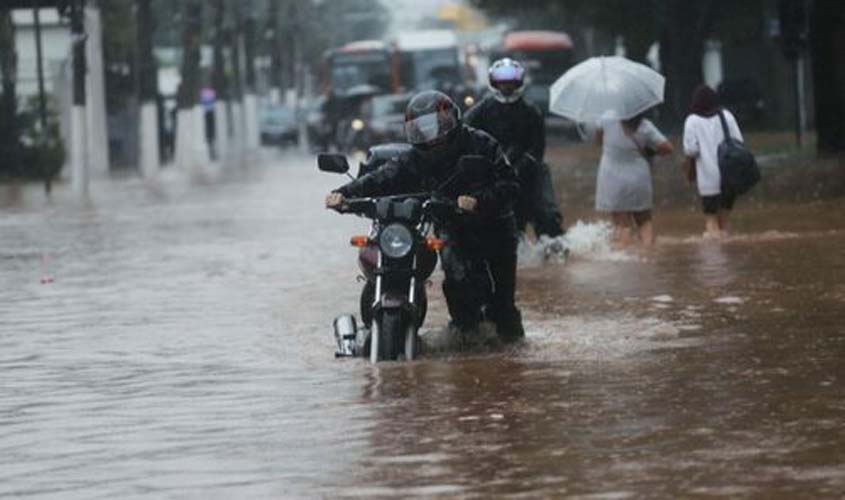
(175,342)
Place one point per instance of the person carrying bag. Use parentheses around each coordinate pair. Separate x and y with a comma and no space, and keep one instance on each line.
(717,161)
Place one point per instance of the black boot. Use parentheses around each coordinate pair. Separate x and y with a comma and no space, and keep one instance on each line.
(509,327)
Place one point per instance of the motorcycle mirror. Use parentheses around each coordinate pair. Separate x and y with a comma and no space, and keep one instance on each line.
(332,162)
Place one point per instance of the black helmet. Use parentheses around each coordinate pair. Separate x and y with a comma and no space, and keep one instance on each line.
(430,118)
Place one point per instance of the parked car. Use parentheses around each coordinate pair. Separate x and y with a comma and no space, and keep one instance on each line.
(319,128)
(278,126)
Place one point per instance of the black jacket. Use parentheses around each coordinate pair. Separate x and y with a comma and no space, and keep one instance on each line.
(519,127)
(410,173)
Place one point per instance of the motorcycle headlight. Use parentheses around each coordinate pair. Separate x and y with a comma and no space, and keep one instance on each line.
(357,124)
(469,101)
(396,241)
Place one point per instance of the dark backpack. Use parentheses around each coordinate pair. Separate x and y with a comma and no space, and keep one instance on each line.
(737,164)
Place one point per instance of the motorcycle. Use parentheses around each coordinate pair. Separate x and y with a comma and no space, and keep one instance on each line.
(352,137)
(396,259)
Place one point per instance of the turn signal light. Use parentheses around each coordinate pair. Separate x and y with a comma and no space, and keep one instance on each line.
(359,241)
(434,244)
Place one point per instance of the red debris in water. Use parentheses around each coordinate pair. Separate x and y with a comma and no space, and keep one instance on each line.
(46,279)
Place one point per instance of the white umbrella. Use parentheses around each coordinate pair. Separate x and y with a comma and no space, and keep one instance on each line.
(606,87)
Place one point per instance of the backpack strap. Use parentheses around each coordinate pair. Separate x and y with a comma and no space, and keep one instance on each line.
(725,130)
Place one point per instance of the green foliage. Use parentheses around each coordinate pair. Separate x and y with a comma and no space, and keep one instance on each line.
(43,149)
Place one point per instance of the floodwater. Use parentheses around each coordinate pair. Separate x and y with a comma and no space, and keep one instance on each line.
(174,341)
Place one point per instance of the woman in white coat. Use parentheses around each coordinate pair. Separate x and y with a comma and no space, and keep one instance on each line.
(702,135)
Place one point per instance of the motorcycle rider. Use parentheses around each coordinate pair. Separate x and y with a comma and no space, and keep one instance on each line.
(519,127)
(481,245)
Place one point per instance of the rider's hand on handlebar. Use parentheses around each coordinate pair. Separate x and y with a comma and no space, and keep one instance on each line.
(334,200)
(467,203)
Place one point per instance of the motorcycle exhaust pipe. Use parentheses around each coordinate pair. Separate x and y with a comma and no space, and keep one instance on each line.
(345,334)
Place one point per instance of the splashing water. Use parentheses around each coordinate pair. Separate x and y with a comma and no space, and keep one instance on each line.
(544,249)
(591,241)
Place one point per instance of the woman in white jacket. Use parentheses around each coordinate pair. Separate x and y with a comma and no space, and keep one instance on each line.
(702,135)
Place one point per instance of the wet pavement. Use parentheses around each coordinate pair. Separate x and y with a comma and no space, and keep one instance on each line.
(174,341)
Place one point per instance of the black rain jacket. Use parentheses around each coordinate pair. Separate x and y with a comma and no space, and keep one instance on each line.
(518,126)
(409,172)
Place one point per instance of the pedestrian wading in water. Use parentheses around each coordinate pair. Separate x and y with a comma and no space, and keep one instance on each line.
(624,185)
(703,132)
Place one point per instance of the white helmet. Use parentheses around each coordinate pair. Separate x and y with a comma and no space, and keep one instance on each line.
(506,79)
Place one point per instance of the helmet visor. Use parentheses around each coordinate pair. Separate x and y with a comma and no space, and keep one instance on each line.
(507,73)
(428,128)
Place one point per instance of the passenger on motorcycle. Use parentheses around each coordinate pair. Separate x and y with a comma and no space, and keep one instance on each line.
(481,245)
(519,127)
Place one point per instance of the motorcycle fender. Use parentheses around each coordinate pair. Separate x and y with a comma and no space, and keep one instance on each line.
(393,301)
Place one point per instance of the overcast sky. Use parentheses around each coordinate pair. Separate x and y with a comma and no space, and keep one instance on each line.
(407,12)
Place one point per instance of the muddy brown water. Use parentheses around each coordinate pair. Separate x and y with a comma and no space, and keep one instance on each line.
(179,346)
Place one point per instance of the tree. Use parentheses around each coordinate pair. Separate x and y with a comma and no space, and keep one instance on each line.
(685,26)
(9,126)
(147,89)
(219,78)
(827,44)
(188,94)
(119,52)
(681,26)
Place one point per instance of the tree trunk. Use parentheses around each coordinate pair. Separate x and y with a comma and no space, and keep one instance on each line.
(827,44)
(686,25)
(147,68)
(79,123)
(220,82)
(638,27)
(9,128)
(276,48)
(188,96)
(147,91)
(250,88)
(239,135)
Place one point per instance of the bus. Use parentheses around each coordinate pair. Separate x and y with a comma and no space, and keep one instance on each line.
(357,65)
(428,59)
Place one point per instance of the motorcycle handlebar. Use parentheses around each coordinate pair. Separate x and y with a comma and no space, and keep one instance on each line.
(355,205)
(365,206)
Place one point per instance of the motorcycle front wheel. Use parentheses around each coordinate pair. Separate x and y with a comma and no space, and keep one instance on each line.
(391,334)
